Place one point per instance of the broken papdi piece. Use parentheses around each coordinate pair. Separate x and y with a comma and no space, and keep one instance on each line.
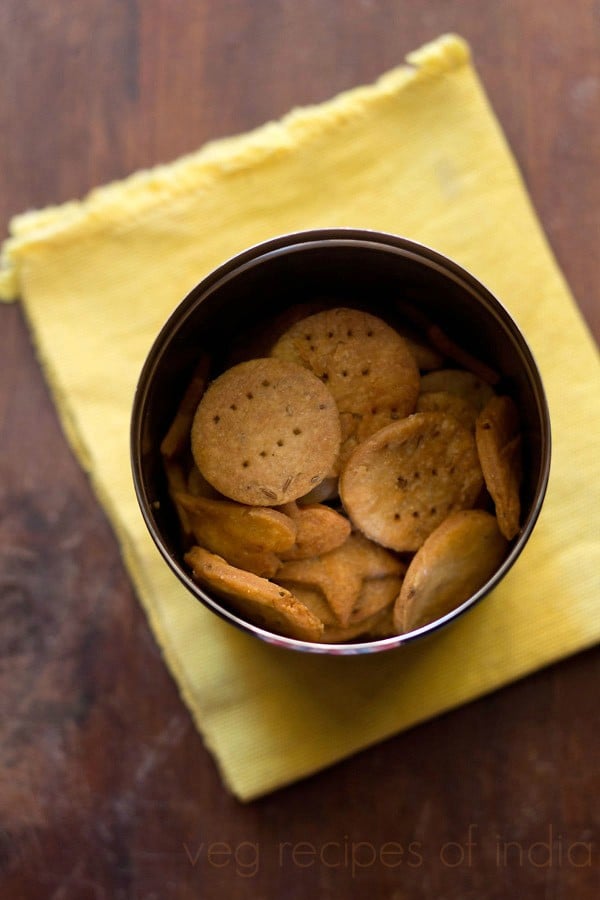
(319,530)
(366,628)
(250,537)
(340,574)
(313,598)
(266,432)
(367,366)
(404,480)
(376,594)
(383,625)
(265,604)
(466,385)
(499,446)
(455,561)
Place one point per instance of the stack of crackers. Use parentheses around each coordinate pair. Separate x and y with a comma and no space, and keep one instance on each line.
(351,481)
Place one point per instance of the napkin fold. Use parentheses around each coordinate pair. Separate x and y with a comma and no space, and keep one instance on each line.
(418,153)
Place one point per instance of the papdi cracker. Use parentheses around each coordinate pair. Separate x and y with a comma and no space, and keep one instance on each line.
(401,483)
(249,537)
(340,574)
(265,432)
(367,366)
(456,560)
(319,530)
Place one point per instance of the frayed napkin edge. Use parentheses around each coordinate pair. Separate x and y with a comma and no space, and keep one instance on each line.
(105,206)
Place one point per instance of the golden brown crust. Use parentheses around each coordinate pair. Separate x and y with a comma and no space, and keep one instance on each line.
(366,629)
(319,530)
(499,448)
(266,432)
(267,605)
(340,407)
(314,599)
(250,537)
(455,561)
(376,595)
(368,367)
(452,404)
(403,481)
(340,574)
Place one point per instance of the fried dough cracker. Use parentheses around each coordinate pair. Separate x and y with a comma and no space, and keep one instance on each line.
(455,561)
(383,625)
(266,432)
(313,598)
(198,486)
(319,530)
(265,604)
(376,594)
(404,480)
(340,574)
(249,537)
(339,634)
(368,367)
(499,447)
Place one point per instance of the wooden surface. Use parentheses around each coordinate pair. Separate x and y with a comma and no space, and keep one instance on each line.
(106,788)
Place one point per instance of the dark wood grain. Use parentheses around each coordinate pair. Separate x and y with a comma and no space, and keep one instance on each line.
(106,788)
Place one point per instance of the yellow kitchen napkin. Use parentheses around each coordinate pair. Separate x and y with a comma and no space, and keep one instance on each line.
(420,154)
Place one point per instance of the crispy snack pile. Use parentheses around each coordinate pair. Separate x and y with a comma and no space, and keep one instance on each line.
(354,481)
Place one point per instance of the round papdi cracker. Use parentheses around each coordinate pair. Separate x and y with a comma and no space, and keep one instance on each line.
(266,432)
(367,366)
(404,480)
(457,559)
